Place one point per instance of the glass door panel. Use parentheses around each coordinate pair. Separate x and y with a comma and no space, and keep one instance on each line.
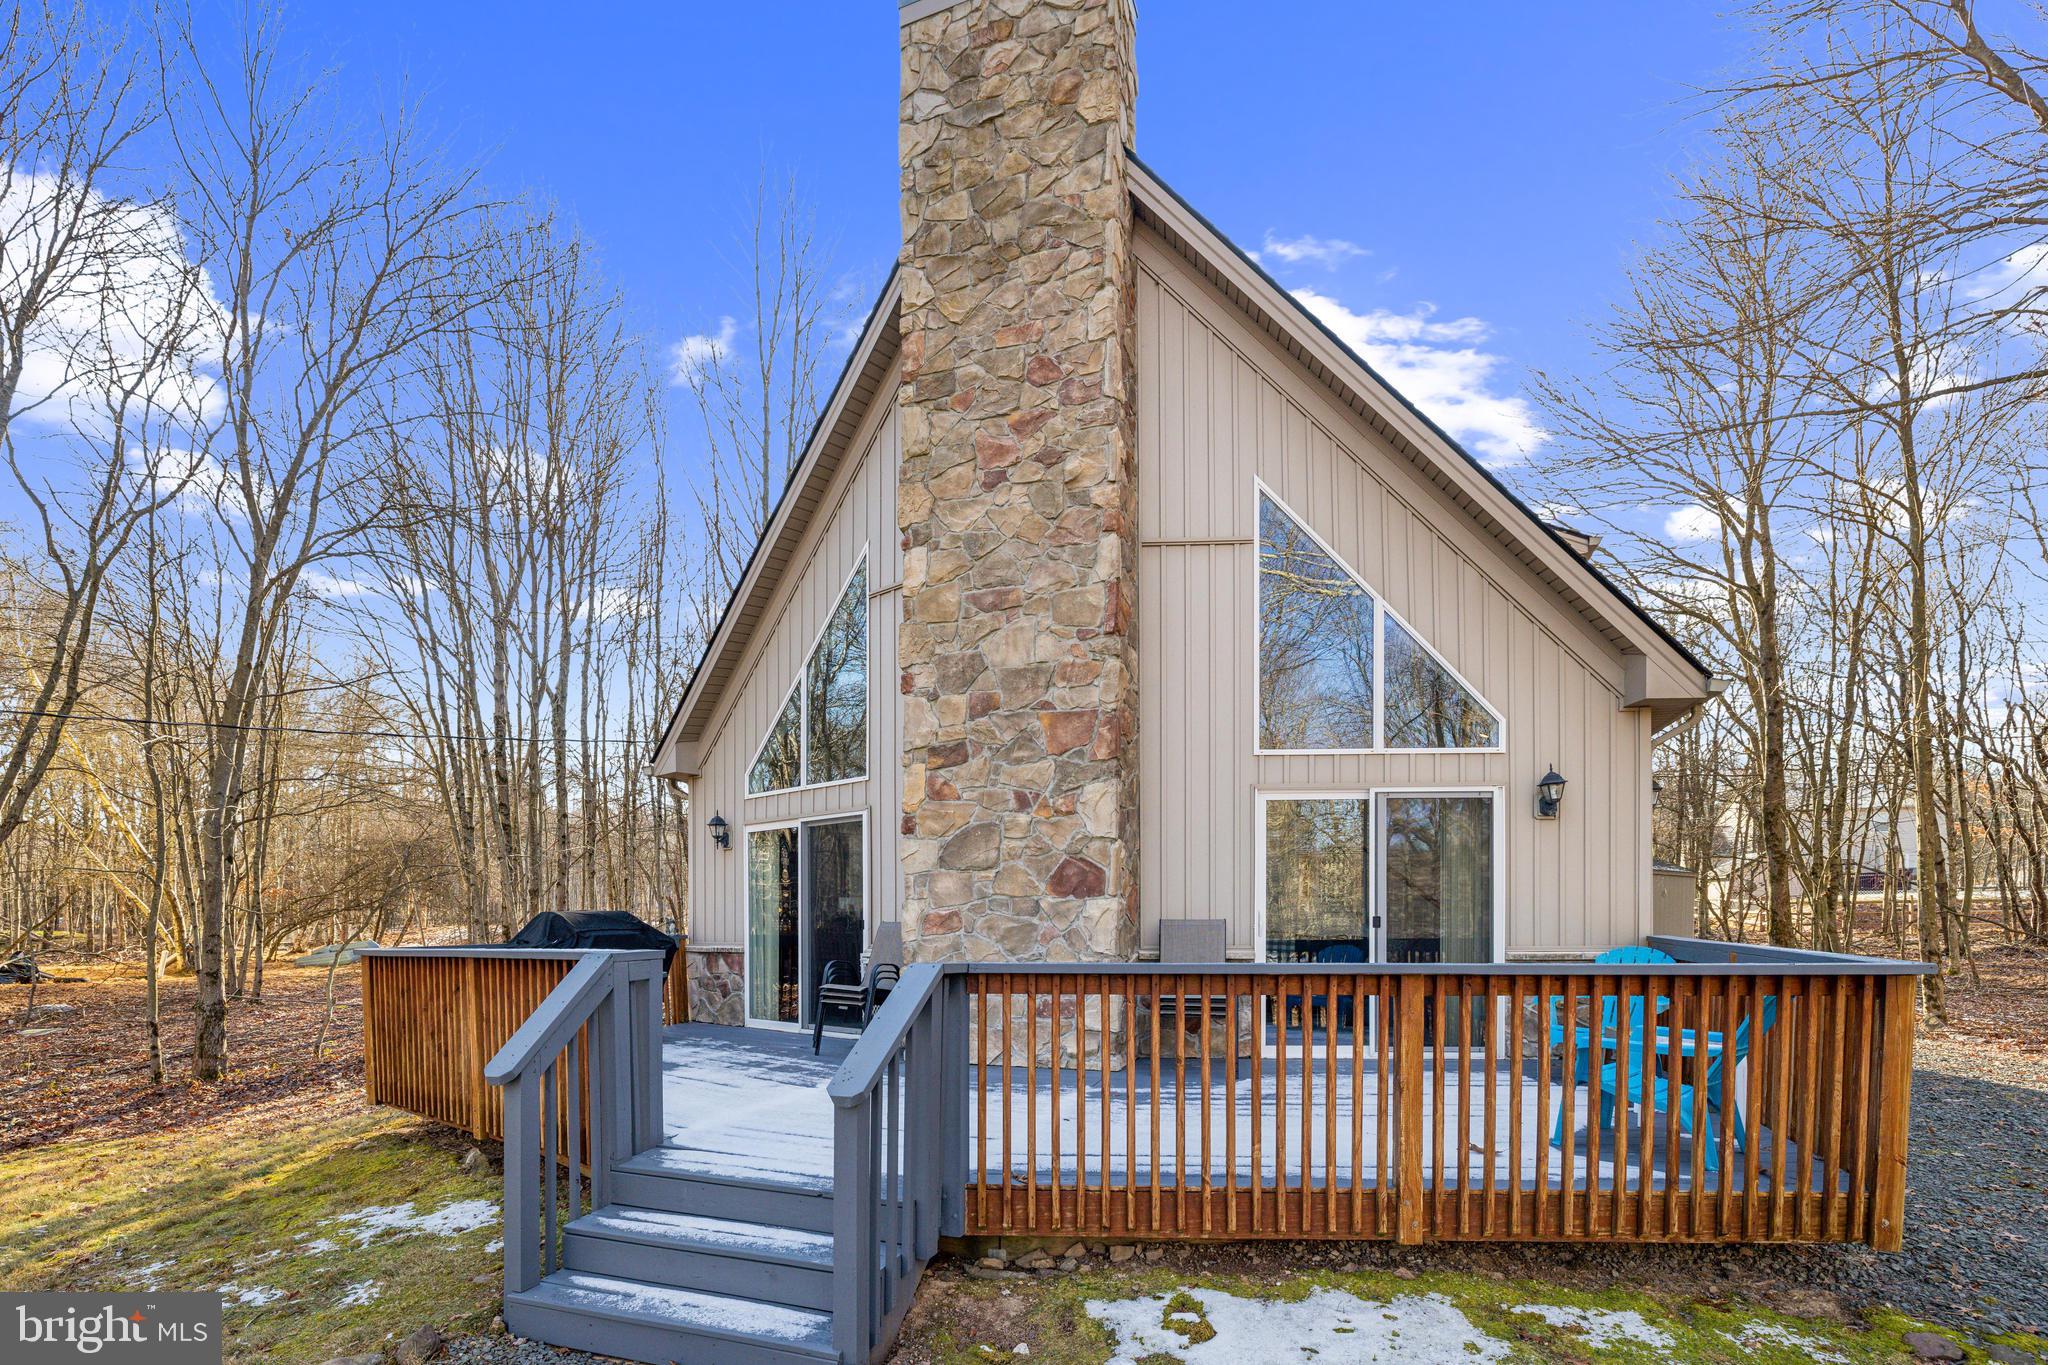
(834,886)
(774,950)
(1436,856)
(1318,896)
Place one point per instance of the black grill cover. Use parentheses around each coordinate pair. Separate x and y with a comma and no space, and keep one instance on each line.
(593,929)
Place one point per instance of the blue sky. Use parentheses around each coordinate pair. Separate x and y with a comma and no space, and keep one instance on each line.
(1488,164)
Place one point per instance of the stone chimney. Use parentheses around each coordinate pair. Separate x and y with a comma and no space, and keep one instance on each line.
(1016,498)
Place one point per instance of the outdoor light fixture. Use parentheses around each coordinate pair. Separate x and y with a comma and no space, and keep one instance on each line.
(1549,795)
(721,833)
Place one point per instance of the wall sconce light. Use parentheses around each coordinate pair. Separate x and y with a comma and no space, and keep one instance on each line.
(721,833)
(1549,795)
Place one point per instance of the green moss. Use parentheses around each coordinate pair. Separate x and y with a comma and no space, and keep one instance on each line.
(1054,1320)
(235,1202)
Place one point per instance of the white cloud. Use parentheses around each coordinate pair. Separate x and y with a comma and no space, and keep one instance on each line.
(126,308)
(333,587)
(1327,252)
(2026,268)
(1564,512)
(1691,524)
(690,358)
(1438,365)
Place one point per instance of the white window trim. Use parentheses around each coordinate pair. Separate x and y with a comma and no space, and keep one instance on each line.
(803,712)
(867,920)
(1380,611)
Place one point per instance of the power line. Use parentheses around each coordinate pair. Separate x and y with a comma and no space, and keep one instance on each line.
(332,732)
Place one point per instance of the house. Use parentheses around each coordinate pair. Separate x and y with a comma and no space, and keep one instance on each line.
(1113,589)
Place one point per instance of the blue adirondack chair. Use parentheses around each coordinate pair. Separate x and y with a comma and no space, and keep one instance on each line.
(1585,1043)
(1679,1049)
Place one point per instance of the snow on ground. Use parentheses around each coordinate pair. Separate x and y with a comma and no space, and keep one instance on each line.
(250,1296)
(1601,1327)
(1329,1327)
(1758,1335)
(360,1293)
(404,1220)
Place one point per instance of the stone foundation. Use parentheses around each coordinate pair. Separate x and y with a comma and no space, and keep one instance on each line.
(717,986)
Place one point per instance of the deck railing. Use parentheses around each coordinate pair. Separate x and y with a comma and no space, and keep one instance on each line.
(897,1156)
(433,1016)
(1735,1095)
(582,1084)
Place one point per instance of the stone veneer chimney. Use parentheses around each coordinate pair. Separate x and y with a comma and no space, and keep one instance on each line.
(1016,498)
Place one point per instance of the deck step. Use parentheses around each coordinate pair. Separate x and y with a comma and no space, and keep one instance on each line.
(716,1255)
(716,1185)
(659,1323)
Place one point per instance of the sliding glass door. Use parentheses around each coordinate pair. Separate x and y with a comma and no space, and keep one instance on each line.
(1390,876)
(806,898)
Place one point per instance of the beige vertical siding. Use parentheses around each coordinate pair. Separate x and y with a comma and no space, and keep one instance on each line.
(1218,406)
(861,511)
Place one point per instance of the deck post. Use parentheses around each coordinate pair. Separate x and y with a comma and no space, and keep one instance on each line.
(1895,1077)
(522,1189)
(854,1251)
(1408,1092)
(952,1098)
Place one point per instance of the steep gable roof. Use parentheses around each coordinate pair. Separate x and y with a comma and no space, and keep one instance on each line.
(856,393)
(1662,673)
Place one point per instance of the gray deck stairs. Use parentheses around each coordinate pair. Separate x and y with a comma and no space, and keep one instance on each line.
(692,1263)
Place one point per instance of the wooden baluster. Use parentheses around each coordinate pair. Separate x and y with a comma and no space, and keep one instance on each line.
(1698,1066)
(1490,1186)
(981,1101)
(1330,1107)
(1103,1094)
(1131,1099)
(1009,1097)
(1672,1168)
(1567,1158)
(1303,1212)
(1031,1215)
(1596,1128)
(1814,992)
(1208,1187)
(1627,998)
(1518,1003)
(1383,1025)
(1831,1116)
(1280,1104)
(1233,1045)
(1752,1111)
(1862,1071)
(1258,1101)
(1358,1104)
(1724,1217)
(548,1122)
(1053,1135)
(1463,1145)
(1435,1062)
(1180,1104)
(1551,1005)
(1153,986)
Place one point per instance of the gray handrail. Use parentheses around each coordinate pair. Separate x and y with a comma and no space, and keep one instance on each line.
(1725,959)
(899,1156)
(597,1034)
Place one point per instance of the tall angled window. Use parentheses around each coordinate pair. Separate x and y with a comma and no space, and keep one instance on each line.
(1315,642)
(836,689)
(780,762)
(1337,671)
(821,733)
(1425,706)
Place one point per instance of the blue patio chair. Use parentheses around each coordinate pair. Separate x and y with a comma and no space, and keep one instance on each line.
(1718,1057)
(1585,1044)
(1335,953)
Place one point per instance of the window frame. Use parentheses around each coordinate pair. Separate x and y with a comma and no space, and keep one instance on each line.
(801,689)
(1380,612)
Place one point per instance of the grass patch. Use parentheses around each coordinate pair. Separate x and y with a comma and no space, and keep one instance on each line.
(978,1320)
(242,1201)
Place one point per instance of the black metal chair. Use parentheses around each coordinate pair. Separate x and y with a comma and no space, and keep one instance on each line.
(841,986)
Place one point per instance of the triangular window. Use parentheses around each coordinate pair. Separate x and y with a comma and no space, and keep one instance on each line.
(1337,671)
(821,733)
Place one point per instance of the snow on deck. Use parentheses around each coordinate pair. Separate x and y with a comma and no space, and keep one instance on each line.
(754,1100)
